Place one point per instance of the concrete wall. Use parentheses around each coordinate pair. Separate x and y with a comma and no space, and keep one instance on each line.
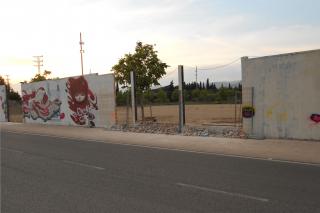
(286,95)
(3,104)
(82,100)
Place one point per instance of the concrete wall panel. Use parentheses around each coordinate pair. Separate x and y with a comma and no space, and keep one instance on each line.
(81,100)
(3,104)
(286,94)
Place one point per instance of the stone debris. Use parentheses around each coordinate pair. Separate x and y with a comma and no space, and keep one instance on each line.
(172,129)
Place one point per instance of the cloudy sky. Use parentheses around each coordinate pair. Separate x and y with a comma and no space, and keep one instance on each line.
(203,33)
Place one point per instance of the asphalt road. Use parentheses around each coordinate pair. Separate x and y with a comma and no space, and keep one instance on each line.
(42,174)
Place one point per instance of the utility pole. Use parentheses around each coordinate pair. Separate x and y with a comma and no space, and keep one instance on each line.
(81,52)
(38,62)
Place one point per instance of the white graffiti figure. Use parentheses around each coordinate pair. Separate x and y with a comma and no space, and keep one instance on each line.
(37,105)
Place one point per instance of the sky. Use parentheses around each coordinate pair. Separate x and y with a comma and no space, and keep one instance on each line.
(202,33)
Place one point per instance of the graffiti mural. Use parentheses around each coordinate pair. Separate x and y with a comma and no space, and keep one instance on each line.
(3,104)
(82,101)
(37,104)
(315,118)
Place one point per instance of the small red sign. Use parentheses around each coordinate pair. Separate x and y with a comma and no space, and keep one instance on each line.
(315,118)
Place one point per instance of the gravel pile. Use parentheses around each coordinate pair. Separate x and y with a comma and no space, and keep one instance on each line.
(172,129)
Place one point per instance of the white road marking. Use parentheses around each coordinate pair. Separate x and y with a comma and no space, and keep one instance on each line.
(12,150)
(170,149)
(82,164)
(223,192)
(65,161)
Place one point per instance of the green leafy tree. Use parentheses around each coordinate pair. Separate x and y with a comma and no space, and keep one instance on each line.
(2,81)
(148,96)
(195,94)
(121,98)
(162,96)
(223,94)
(12,95)
(147,66)
(175,95)
(170,90)
(204,95)
(41,77)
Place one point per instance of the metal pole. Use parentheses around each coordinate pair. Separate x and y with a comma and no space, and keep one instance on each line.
(252,102)
(133,98)
(81,52)
(235,107)
(181,99)
(127,106)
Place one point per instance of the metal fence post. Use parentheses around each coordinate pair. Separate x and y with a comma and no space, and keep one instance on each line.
(133,97)
(235,106)
(181,99)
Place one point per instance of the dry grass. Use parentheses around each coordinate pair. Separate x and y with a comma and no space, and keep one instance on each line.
(201,114)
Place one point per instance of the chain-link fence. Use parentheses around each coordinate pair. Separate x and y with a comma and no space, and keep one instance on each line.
(206,103)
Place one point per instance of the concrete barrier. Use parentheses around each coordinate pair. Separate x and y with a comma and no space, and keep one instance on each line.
(284,95)
(3,104)
(82,100)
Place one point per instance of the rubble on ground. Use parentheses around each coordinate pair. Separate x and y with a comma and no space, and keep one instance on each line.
(172,129)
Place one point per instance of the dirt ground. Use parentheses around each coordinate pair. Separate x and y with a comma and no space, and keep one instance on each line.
(201,114)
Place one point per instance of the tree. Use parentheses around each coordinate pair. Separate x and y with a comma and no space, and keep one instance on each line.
(162,96)
(2,81)
(225,94)
(147,66)
(214,87)
(117,87)
(175,95)
(203,95)
(195,94)
(208,84)
(170,90)
(41,77)
(12,95)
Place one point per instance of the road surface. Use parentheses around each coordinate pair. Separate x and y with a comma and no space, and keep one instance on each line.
(42,174)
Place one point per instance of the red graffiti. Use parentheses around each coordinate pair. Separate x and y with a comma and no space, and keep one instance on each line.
(81,101)
(62,116)
(315,118)
(37,105)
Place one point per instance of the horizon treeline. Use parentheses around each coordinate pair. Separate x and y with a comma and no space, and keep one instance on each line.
(194,92)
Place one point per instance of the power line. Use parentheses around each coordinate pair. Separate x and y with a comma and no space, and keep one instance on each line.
(208,68)
(171,72)
(220,66)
